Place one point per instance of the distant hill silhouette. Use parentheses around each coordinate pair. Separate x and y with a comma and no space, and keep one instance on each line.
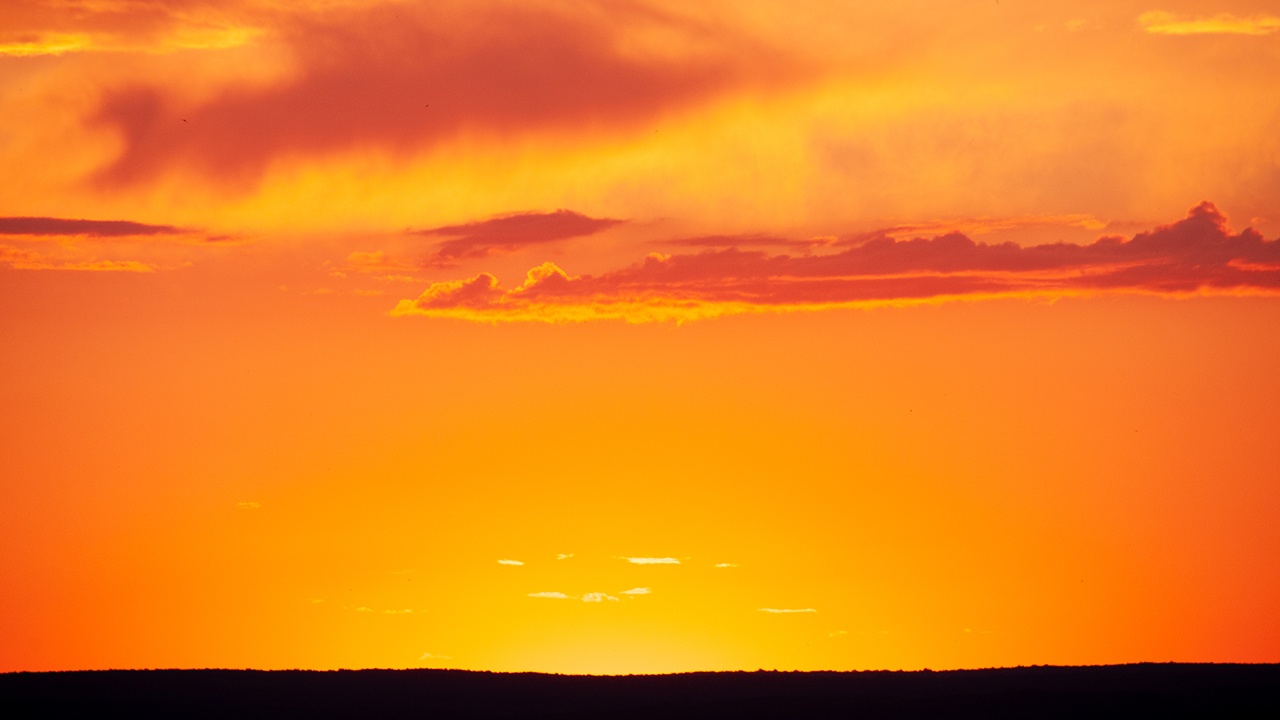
(1131,691)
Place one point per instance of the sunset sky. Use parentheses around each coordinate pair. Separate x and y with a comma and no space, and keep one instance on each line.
(616,336)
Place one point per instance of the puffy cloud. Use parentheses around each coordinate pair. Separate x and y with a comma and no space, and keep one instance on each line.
(636,591)
(595,597)
(505,561)
(564,556)
(1198,254)
(550,595)
(508,233)
(786,611)
(652,560)
(1166,23)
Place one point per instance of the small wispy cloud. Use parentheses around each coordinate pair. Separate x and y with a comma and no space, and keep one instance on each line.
(550,595)
(27,259)
(506,561)
(595,597)
(91,228)
(433,656)
(726,565)
(1166,23)
(652,560)
(248,505)
(564,556)
(636,591)
(375,611)
(838,633)
(786,611)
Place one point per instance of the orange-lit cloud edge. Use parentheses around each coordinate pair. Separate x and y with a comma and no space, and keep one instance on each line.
(1197,255)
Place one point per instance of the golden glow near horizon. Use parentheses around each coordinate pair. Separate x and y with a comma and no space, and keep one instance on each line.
(638,337)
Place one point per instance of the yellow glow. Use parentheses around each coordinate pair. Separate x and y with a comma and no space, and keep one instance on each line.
(1165,23)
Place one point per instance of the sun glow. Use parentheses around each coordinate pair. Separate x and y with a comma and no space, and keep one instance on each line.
(607,337)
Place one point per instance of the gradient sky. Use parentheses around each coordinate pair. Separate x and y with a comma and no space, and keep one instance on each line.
(629,336)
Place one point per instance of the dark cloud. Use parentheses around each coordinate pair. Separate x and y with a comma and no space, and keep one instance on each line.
(1196,254)
(741,241)
(404,77)
(92,228)
(509,233)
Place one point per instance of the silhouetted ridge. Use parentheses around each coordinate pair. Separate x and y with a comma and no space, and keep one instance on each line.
(1167,691)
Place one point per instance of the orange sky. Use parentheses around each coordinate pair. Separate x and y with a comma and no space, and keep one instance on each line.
(621,336)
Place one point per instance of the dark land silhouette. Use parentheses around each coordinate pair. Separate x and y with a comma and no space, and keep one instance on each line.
(1146,690)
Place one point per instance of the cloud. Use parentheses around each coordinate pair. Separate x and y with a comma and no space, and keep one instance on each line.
(595,597)
(652,560)
(786,611)
(508,233)
(23,259)
(58,27)
(636,591)
(405,77)
(251,505)
(551,595)
(1196,255)
(1166,23)
(740,241)
(971,226)
(40,226)
(726,565)
(505,561)
(433,656)
(564,556)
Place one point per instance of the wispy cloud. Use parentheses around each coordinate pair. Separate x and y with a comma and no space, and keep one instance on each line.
(652,560)
(591,597)
(44,226)
(636,591)
(363,81)
(433,656)
(1167,23)
(249,505)
(375,611)
(24,259)
(507,561)
(726,565)
(1196,255)
(786,611)
(564,556)
(508,233)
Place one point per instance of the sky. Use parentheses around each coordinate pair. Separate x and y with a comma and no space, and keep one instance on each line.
(633,336)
